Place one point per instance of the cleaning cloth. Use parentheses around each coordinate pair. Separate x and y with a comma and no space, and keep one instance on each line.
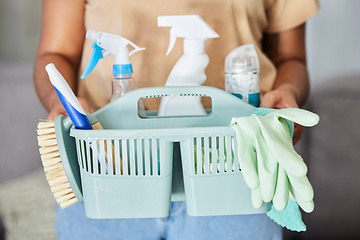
(269,163)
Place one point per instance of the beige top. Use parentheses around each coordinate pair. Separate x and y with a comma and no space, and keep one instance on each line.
(237,22)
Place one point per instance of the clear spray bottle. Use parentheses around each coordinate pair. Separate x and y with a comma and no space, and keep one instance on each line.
(122,83)
(109,44)
(242,74)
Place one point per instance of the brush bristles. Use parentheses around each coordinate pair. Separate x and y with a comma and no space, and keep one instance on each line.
(54,170)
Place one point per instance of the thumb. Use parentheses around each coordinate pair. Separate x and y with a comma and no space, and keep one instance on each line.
(269,101)
(57,110)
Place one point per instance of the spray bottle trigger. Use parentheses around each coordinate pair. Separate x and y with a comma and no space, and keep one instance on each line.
(173,36)
(96,55)
(136,48)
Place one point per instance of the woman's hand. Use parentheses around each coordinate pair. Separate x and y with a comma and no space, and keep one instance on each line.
(291,86)
(283,97)
(58,109)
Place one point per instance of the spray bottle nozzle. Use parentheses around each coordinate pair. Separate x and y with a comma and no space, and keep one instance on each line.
(96,55)
(109,44)
(190,27)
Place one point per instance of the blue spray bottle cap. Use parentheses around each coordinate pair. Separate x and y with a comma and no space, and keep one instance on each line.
(109,44)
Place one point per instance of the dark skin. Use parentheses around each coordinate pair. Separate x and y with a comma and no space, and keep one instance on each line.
(290,90)
(291,87)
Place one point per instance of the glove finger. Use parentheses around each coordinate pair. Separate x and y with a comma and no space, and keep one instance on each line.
(267,170)
(256,198)
(281,196)
(307,206)
(247,158)
(280,144)
(301,187)
(300,116)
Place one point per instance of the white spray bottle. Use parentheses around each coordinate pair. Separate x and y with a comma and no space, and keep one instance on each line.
(109,44)
(190,68)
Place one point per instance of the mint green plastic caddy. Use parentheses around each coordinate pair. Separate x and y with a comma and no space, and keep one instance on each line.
(144,174)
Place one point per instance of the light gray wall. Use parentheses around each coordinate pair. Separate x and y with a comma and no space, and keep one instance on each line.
(333,38)
(19,29)
(20,108)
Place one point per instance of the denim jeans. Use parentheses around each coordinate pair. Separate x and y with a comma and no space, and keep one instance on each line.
(71,223)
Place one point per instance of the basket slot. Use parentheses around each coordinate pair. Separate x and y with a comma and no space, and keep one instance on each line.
(161,160)
(131,159)
(155,157)
(221,154)
(88,158)
(80,153)
(118,167)
(124,157)
(206,155)
(228,154)
(199,156)
(110,157)
(140,160)
(235,155)
(94,159)
(83,155)
(102,161)
(214,156)
(147,157)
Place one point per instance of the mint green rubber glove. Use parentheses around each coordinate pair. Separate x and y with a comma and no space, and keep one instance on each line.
(269,163)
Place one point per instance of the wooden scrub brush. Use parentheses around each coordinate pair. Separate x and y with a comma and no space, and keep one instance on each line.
(50,155)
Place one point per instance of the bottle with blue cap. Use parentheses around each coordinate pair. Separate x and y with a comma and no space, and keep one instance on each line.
(109,44)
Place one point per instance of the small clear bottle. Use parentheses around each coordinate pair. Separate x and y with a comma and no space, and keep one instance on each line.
(123,83)
(242,74)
